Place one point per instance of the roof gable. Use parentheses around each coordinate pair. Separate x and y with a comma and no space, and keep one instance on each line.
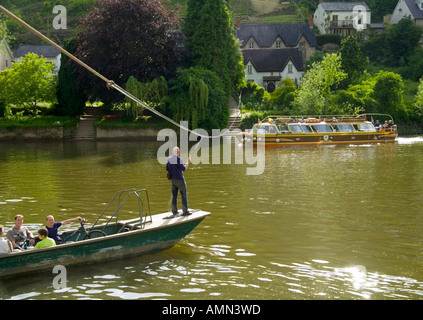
(415,11)
(343,6)
(273,60)
(41,50)
(266,34)
(4,46)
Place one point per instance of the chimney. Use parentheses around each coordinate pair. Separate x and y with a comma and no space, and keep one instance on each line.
(310,21)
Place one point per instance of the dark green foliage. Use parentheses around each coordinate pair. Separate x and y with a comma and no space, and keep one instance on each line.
(388,93)
(353,63)
(212,43)
(153,93)
(197,96)
(70,100)
(281,98)
(396,46)
(380,8)
(254,97)
(328,38)
(401,40)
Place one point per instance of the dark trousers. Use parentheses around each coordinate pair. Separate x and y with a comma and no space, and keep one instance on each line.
(179,185)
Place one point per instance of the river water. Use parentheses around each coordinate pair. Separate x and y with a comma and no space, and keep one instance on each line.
(341,222)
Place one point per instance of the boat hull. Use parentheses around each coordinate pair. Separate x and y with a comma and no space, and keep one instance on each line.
(286,140)
(160,234)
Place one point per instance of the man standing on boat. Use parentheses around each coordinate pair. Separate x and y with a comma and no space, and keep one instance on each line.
(175,168)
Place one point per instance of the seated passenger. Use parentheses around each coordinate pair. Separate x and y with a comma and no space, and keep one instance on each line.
(19,234)
(4,247)
(45,240)
(378,126)
(53,227)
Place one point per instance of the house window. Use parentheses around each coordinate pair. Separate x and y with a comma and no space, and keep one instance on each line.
(250,69)
(290,68)
(251,45)
(278,44)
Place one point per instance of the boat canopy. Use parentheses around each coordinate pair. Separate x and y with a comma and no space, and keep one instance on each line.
(312,125)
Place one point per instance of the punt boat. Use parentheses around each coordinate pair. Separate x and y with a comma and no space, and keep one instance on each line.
(321,130)
(108,238)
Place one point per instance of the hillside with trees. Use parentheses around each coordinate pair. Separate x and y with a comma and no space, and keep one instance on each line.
(195,81)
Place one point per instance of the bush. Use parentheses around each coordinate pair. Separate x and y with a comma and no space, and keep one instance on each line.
(328,38)
(254,97)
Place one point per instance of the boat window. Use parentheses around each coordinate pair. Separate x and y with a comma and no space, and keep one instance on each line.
(344,128)
(261,129)
(322,127)
(366,127)
(306,128)
(272,129)
(283,128)
(295,128)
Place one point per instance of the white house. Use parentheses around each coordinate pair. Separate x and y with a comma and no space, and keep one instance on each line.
(268,67)
(273,52)
(408,8)
(6,56)
(50,53)
(343,18)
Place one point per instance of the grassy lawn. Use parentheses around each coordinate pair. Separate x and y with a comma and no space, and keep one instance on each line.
(38,122)
(280,19)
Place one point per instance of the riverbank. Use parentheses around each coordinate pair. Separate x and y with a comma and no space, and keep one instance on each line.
(66,133)
(114,130)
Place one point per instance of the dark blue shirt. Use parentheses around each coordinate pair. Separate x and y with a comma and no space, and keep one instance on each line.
(52,232)
(175,166)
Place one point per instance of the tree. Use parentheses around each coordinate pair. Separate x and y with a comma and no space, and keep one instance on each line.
(153,93)
(388,93)
(419,99)
(192,18)
(380,8)
(123,38)
(281,98)
(254,97)
(315,92)
(401,40)
(29,82)
(353,62)
(357,98)
(198,96)
(213,44)
(3,27)
(70,100)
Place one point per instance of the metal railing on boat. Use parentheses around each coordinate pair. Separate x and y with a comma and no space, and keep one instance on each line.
(119,200)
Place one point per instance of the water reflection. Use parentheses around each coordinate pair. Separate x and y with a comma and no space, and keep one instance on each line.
(319,223)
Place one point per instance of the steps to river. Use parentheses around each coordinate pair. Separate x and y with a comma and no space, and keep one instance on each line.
(86,128)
